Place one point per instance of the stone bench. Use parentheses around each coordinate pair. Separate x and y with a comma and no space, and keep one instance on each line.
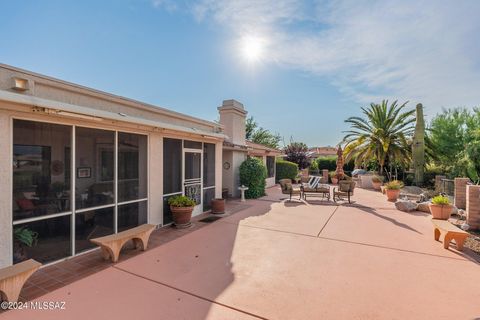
(112,244)
(13,278)
(451,232)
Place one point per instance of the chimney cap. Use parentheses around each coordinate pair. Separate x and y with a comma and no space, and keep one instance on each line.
(232,105)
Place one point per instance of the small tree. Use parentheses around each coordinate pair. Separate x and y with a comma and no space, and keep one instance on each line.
(297,153)
(252,175)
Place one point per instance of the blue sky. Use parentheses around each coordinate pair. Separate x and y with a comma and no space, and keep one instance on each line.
(317,62)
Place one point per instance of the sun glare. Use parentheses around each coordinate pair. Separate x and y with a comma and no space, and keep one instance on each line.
(252,48)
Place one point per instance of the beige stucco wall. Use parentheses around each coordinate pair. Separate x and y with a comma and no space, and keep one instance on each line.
(5,191)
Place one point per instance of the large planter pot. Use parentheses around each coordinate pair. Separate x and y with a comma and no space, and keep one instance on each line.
(377,185)
(218,206)
(181,216)
(392,194)
(439,211)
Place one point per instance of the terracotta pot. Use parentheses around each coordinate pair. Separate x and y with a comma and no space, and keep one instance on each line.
(377,185)
(439,211)
(392,195)
(218,206)
(181,215)
(383,189)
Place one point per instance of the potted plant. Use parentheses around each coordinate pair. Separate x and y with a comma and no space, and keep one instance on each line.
(181,207)
(23,237)
(218,206)
(440,208)
(392,189)
(333,177)
(377,182)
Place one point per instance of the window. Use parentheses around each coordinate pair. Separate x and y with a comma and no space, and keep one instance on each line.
(270,166)
(172,166)
(48,172)
(192,144)
(41,183)
(208,165)
(94,181)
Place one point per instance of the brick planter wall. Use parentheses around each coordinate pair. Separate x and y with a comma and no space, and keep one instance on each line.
(461,192)
(473,206)
(325,175)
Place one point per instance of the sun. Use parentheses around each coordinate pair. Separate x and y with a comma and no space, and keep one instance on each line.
(252,48)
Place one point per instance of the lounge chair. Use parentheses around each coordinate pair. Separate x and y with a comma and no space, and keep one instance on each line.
(288,188)
(345,189)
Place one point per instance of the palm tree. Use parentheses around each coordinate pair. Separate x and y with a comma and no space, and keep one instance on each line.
(383,135)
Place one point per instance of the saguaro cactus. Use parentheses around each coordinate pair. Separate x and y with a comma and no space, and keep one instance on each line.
(418,146)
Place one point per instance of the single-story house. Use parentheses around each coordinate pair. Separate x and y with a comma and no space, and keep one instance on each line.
(79,163)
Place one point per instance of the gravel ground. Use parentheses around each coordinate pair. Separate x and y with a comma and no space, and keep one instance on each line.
(472,242)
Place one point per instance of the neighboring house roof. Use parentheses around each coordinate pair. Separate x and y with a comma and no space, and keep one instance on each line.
(316,152)
(261,150)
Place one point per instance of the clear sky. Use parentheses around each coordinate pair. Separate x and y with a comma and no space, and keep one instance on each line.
(300,68)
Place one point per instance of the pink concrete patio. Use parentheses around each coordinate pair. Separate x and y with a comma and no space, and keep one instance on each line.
(285,260)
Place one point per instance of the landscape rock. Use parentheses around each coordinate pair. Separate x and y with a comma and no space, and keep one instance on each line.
(412,190)
(406,206)
(423,206)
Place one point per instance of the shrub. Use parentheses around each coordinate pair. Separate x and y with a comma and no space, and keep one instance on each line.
(441,200)
(252,175)
(181,201)
(329,163)
(394,185)
(286,170)
(313,169)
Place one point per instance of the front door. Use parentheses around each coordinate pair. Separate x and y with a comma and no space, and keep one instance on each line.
(192,182)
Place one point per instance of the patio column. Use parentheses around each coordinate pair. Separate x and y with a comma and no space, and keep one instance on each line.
(473,206)
(460,192)
(5,192)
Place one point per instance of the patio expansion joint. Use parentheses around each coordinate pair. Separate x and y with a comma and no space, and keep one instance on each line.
(190,293)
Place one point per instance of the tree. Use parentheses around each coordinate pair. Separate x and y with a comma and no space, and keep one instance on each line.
(297,153)
(260,135)
(382,135)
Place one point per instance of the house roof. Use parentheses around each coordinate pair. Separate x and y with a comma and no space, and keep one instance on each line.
(260,149)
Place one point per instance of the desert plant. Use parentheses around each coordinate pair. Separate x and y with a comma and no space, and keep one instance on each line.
(377,179)
(418,147)
(441,200)
(181,201)
(286,170)
(25,236)
(394,185)
(252,175)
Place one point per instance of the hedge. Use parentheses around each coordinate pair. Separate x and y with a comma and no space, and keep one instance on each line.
(286,170)
(252,175)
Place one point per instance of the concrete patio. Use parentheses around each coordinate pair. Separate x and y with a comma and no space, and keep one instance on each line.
(285,260)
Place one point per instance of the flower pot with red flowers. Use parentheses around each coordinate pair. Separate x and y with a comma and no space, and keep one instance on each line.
(392,189)
(182,208)
(218,206)
(440,208)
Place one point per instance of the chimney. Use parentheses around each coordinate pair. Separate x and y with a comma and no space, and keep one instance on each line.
(232,116)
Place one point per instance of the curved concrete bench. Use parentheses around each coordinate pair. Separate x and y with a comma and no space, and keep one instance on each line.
(112,244)
(451,232)
(13,278)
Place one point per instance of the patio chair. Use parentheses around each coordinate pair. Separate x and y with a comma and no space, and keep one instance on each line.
(345,189)
(316,187)
(288,188)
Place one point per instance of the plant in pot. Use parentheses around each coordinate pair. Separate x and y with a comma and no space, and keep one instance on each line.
(440,208)
(392,189)
(218,206)
(377,182)
(23,238)
(333,177)
(181,207)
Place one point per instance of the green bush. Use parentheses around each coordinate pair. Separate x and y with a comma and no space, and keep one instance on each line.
(313,169)
(329,163)
(181,201)
(286,170)
(252,175)
(441,200)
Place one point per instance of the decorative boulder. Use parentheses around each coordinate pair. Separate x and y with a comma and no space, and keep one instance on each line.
(406,206)
(412,190)
(423,206)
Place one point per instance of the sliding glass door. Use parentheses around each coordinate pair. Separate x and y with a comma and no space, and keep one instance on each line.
(72,184)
